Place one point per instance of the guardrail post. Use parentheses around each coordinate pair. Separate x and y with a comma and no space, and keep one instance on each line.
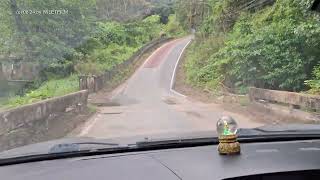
(83,85)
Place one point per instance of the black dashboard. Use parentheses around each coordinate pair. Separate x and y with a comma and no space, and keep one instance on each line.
(263,161)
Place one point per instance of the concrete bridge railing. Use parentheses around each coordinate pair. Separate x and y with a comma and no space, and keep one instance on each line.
(286,106)
(295,100)
(41,121)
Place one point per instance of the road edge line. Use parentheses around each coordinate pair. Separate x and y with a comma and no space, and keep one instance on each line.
(173,79)
(88,126)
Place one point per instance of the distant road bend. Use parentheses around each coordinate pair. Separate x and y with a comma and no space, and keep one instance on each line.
(146,105)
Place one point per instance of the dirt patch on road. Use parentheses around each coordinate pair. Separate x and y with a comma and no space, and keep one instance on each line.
(170,101)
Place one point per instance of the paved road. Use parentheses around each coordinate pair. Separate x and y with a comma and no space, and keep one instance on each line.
(147,106)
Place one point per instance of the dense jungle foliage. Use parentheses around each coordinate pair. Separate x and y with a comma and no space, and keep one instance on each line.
(75,38)
(242,43)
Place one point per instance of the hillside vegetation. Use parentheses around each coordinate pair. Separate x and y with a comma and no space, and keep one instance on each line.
(245,43)
(73,41)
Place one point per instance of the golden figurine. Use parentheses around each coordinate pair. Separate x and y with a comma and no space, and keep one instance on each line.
(227,130)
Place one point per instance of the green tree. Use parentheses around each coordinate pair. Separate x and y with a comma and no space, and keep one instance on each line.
(265,46)
(314,84)
(48,37)
(191,13)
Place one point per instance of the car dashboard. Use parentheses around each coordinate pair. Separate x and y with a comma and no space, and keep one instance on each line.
(263,161)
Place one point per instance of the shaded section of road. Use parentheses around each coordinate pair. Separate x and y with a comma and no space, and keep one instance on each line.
(146,106)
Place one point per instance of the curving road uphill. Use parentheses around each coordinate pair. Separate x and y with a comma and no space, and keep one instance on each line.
(147,106)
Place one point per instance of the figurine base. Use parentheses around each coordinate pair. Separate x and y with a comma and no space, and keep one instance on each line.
(228,145)
(229,148)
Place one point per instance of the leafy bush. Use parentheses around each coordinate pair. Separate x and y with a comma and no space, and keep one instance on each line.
(152,26)
(173,28)
(88,68)
(197,65)
(314,84)
(112,55)
(111,32)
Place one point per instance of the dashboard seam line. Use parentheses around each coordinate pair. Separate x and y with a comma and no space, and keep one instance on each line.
(165,166)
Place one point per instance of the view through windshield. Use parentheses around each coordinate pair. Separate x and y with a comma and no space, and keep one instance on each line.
(107,69)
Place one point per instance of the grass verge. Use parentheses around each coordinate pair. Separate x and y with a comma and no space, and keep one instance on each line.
(49,89)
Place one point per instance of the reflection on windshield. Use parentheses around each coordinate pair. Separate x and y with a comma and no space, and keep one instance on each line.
(108,69)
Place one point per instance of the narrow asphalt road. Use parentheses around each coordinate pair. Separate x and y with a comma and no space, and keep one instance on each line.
(146,105)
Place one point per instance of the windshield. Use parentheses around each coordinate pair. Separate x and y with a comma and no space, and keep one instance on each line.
(145,69)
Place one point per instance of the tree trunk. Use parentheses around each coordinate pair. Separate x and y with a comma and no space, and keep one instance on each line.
(125,6)
(2,78)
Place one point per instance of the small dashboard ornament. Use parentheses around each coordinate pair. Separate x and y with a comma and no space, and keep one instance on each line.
(227,130)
